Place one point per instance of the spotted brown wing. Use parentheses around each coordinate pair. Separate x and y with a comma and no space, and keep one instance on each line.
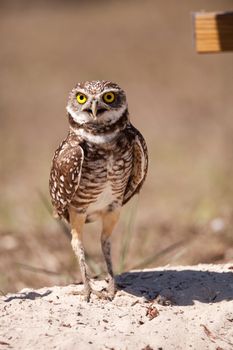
(140,166)
(65,176)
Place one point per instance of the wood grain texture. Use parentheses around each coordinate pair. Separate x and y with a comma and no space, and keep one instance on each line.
(213,31)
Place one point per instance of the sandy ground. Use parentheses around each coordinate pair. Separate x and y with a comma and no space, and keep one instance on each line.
(187,307)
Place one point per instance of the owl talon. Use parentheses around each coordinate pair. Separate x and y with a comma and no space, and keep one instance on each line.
(86,293)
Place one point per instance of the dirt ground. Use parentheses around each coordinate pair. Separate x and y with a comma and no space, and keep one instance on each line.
(179,100)
(173,308)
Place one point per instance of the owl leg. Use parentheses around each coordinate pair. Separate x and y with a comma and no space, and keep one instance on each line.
(109,220)
(77,222)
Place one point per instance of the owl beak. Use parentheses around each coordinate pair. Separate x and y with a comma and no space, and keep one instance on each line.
(94,108)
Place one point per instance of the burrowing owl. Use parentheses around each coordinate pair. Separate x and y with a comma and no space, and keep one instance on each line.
(99,166)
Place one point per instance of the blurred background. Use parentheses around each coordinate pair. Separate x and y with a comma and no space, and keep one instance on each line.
(179,100)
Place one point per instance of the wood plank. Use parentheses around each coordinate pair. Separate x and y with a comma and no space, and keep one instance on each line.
(213,31)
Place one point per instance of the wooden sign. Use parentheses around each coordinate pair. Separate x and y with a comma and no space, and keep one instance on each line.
(213,31)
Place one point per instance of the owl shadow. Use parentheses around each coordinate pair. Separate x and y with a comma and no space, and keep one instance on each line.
(173,287)
(31,295)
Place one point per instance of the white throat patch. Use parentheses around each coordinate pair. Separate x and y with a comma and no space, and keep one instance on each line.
(95,138)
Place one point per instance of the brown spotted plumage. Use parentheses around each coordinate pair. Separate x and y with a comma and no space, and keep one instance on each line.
(99,166)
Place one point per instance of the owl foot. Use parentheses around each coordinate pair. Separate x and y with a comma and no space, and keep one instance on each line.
(87,291)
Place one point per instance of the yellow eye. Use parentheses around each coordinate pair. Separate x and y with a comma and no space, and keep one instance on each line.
(81,98)
(109,97)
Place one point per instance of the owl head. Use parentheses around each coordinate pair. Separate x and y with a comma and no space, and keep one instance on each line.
(96,102)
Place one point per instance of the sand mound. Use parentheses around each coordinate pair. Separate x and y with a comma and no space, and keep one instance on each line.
(187,307)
